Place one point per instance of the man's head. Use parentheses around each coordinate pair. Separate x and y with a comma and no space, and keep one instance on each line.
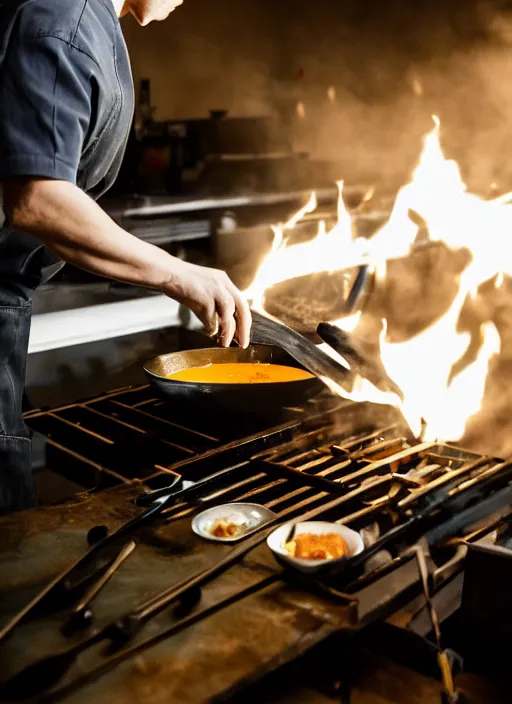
(145,11)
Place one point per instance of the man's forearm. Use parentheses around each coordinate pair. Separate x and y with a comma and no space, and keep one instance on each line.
(77,230)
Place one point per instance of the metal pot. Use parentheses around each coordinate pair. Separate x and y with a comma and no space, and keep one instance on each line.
(259,398)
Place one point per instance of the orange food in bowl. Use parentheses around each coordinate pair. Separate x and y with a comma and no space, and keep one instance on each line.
(312,546)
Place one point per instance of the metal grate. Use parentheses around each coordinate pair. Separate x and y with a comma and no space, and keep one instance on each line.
(377,482)
(379,477)
(129,434)
(333,457)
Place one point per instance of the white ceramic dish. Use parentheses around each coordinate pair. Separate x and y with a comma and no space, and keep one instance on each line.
(277,538)
(250,516)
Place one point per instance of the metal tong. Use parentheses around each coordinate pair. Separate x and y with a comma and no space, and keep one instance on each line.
(179,490)
(81,614)
(157,502)
(340,341)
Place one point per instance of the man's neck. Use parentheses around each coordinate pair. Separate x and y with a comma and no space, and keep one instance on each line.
(118,6)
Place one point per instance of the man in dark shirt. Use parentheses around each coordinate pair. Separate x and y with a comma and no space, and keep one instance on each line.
(66,105)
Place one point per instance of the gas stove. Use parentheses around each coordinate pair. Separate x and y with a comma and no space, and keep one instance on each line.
(424,510)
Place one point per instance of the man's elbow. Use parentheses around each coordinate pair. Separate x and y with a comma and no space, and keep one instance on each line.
(18,218)
(22,204)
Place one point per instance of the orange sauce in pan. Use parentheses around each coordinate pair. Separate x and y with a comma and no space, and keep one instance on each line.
(240,373)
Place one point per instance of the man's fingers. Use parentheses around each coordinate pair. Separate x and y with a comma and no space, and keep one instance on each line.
(243,320)
(208,316)
(222,309)
(227,325)
(213,326)
(228,336)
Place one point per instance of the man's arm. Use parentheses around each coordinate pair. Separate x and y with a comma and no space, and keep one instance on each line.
(77,230)
(45,114)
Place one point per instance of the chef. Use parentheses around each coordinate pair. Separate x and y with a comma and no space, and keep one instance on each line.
(66,107)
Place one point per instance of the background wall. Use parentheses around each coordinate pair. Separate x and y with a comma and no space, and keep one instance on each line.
(209,54)
(392,63)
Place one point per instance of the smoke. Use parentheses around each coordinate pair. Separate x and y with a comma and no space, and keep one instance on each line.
(392,65)
(369,76)
(210,54)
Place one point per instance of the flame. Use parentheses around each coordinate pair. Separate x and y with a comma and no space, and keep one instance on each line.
(436,405)
(321,254)
(439,395)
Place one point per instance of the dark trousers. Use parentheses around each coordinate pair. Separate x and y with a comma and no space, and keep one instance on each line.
(16,482)
(24,264)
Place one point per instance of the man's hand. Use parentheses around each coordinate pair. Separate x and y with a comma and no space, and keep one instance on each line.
(216,301)
(78,231)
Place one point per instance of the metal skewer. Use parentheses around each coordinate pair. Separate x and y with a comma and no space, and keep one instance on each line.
(59,579)
(450,694)
(157,506)
(81,615)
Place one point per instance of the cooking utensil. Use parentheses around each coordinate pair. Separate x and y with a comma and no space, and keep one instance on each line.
(46,672)
(266,398)
(181,489)
(137,648)
(99,539)
(315,360)
(302,302)
(23,613)
(81,615)
(360,290)
(340,341)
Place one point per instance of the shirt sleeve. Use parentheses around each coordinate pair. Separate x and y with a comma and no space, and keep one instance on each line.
(45,109)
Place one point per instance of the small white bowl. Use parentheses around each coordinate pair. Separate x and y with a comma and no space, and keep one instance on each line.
(276,540)
(251,516)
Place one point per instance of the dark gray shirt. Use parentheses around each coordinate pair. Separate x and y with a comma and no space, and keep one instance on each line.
(66,106)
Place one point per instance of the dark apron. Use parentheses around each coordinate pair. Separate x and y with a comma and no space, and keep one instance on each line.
(24,264)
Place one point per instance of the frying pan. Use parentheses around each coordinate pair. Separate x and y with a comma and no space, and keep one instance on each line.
(267,398)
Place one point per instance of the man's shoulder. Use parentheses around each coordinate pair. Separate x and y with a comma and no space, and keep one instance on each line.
(64,19)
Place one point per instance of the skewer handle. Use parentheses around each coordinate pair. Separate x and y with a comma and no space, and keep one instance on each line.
(105,577)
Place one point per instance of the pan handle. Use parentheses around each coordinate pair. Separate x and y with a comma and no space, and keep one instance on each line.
(364,280)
